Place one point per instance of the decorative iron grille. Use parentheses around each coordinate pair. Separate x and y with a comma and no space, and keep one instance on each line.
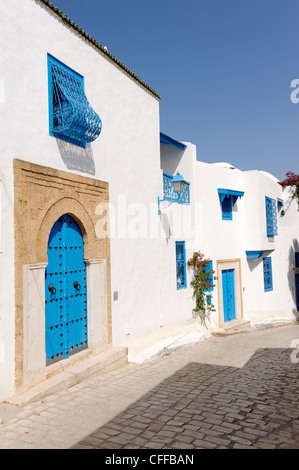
(71,116)
(227,208)
(267,266)
(271,217)
(171,195)
(180,264)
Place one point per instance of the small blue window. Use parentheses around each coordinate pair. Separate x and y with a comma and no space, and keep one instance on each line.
(267,266)
(210,278)
(180,265)
(271,217)
(228,198)
(226,207)
(71,117)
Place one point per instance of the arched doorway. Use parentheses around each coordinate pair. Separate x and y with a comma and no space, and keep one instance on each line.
(65,291)
(42,196)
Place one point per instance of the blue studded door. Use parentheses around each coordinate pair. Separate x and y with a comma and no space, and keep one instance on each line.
(228,289)
(65,291)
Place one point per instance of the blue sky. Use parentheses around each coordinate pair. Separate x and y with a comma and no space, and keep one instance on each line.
(223,69)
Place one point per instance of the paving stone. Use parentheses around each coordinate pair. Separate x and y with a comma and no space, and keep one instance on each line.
(165,433)
(218,441)
(154,445)
(184,438)
(204,444)
(241,440)
(180,401)
(193,434)
(182,445)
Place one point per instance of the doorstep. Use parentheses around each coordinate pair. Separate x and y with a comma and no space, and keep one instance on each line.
(233,327)
(106,361)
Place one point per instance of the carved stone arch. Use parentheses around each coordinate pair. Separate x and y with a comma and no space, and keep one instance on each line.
(41,196)
(77,211)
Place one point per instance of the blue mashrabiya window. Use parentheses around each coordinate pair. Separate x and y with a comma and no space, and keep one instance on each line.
(271,217)
(71,117)
(181,280)
(267,269)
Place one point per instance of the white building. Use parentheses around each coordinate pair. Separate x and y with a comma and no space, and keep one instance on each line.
(88,252)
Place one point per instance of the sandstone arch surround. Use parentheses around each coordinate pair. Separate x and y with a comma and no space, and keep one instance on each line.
(41,196)
(71,206)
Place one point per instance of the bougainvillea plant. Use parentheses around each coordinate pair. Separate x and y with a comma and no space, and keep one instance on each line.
(202,281)
(291,180)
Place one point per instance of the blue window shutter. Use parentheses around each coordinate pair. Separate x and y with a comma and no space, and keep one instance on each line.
(267,267)
(210,278)
(226,207)
(180,265)
(271,217)
(228,198)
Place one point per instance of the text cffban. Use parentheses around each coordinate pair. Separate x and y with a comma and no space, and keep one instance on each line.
(155,459)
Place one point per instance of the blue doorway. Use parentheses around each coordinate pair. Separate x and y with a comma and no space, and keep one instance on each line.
(228,289)
(65,291)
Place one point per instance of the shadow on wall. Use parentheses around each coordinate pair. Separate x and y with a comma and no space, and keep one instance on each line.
(77,158)
(253,263)
(170,158)
(166,227)
(291,275)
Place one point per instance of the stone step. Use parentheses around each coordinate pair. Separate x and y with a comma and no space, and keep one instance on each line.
(233,327)
(110,359)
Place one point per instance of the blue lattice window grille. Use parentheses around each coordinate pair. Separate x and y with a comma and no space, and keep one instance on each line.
(226,208)
(71,117)
(171,195)
(271,217)
(267,268)
(181,280)
(228,198)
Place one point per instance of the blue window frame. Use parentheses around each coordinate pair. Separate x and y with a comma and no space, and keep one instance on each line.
(180,254)
(271,217)
(210,278)
(71,117)
(267,267)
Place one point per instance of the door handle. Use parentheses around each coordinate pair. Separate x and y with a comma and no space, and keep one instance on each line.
(52,289)
(77,285)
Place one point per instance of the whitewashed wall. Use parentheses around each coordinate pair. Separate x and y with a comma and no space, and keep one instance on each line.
(279,303)
(126,155)
(222,240)
(218,239)
(177,223)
